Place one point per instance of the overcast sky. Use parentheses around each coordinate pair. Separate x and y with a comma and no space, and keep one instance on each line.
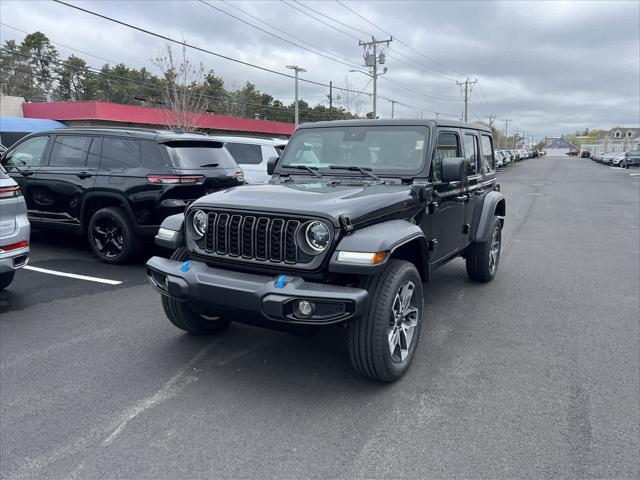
(552,67)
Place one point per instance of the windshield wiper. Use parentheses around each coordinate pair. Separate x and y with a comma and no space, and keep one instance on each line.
(353,168)
(311,170)
(209,165)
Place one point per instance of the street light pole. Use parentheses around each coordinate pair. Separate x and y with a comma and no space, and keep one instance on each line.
(297,69)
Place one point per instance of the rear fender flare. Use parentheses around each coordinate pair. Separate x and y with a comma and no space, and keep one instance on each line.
(494,204)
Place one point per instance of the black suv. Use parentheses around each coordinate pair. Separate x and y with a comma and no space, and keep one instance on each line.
(116,185)
(355,219)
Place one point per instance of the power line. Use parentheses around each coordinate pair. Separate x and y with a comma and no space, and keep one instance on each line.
(420,92)
(399,41)
(320,20)
(195,47)
(368,34)
(274,35)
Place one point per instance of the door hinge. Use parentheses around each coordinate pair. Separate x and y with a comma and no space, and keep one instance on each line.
(432,244)
(465,228)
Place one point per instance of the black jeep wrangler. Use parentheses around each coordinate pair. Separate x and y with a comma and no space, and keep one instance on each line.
(355,219)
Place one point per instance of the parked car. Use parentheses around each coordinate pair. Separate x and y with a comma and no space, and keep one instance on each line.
(573,152)
(516,155)
(618,160)
(116,185)
(506,157)
(585,154)
(632,159)
(346,236)
(14,229)
(533,153)
(597,157)
(252,154)
(607,158)
(542,152)
(499,159)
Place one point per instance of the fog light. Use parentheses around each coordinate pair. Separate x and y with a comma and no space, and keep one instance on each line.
(303,309)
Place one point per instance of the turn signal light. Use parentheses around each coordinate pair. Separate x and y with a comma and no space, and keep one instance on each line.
(363,258)
(10,192)
(240,176)
(497,187)
(175,179)
(14,246)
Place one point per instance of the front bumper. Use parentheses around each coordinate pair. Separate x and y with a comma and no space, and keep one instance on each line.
(254,297)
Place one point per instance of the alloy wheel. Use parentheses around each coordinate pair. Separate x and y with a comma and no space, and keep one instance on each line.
(404,319)
(108,237)
(494,249)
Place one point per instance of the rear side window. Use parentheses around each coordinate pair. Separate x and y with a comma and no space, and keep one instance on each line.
(245,153)
(196,155)
(70,151)
(448,146)
(120,153)
(29,153)
(471,154)
(488,162)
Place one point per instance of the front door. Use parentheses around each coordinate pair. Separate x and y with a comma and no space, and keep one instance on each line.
(23,162)
(446,213)
(59,186)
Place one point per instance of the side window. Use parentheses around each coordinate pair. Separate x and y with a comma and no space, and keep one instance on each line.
(120,153)
(93,160)
(448,146)
(28,154)
(471,154)
(70,151)
(245,153)
(488,162)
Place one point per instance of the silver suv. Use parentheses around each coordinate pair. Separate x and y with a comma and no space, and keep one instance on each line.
(14,229)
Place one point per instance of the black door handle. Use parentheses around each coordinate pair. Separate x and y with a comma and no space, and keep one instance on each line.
(26,173)
(84,175)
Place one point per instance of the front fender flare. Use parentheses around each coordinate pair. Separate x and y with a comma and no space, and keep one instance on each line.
(493,204)
(173,223)
(382,237)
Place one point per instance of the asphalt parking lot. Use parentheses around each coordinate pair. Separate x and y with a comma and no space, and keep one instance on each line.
(536,374)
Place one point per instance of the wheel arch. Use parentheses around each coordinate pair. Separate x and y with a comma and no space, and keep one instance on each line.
(94,201)
(493,204)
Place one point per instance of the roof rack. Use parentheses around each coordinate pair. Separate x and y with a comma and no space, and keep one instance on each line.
(109,127)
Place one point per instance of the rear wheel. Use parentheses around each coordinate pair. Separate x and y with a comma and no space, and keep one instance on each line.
(112,237)
(383,341)
(6,278)
(483,257)
(180,315)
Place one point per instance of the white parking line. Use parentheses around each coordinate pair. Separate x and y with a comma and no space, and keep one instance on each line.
(634,174)
(73,275)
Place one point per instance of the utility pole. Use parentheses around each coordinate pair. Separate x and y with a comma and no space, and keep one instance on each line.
(297,69)
(437,115)
(491,119)
(467,91)
(330,96)
(372,60)
(393,104)
(506,132)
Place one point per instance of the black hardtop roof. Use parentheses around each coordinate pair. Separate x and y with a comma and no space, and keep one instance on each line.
(157,135)
(396,121)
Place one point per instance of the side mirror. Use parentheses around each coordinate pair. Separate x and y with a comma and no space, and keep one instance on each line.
(271,164)
(453,169)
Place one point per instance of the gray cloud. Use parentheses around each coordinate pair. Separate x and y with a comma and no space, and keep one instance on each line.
(552,67)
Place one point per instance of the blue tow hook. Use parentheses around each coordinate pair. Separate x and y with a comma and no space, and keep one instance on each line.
(280,281)
(185,266)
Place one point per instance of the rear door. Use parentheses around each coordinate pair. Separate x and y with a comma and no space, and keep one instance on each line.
(60,184)
(23,162)
(473,185)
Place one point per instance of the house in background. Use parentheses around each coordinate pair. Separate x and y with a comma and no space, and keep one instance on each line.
(618,139)
(559,146)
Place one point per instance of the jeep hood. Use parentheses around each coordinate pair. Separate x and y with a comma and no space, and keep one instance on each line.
(360,202)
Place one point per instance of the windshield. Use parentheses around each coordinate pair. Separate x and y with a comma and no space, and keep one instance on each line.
(386,149)
(194,155)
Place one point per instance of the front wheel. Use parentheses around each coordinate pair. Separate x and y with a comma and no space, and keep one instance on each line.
(483,257)
(112,237)
(383,341)
(181,316)
(6,278)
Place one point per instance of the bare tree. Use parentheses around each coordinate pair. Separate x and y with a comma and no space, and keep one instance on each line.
(352,101)
(182,87)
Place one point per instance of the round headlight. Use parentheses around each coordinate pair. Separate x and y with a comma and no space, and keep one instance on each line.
(318,236)
(199,222)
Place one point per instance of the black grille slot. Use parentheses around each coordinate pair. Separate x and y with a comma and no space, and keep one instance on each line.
(290,247)
(210,237)
(276,240)
(261,238)
(266,239)
(248,225)
(221,233)
(234,235)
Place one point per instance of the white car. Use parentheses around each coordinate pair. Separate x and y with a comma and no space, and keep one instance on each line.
(252,153)
(619,159)
(499,159)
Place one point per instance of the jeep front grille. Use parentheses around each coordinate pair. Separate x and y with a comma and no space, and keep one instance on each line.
(254,237)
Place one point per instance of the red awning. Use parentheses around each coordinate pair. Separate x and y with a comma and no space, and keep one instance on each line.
(115,112)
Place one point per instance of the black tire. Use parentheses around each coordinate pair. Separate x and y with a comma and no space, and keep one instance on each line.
(481,264)
(186,319)
(6,278)
(118,242)
(369,336)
